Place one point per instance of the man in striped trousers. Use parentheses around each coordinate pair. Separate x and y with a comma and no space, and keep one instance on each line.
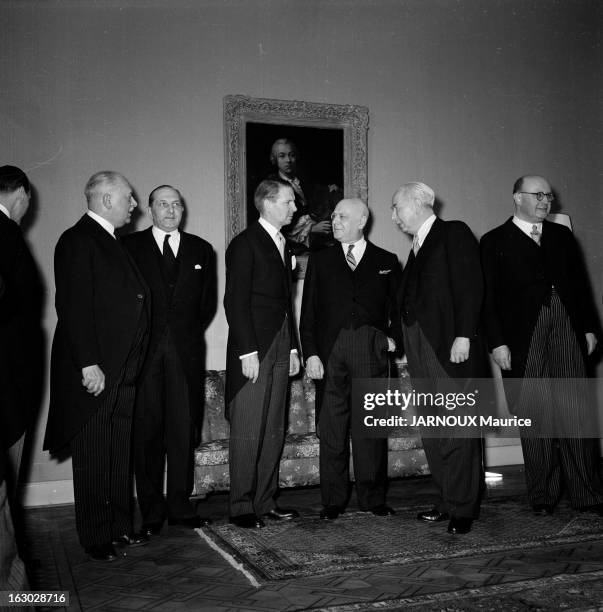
(540,324)
(97,351)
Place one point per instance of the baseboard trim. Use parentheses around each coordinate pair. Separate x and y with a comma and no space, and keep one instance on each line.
(49,493)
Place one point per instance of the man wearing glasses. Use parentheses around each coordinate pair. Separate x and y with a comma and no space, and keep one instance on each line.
(179,269)
(540,323)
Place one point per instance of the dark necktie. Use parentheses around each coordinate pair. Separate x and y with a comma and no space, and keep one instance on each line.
(168,257)
(349,257)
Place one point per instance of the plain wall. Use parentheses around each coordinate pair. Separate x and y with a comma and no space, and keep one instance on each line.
(466,95)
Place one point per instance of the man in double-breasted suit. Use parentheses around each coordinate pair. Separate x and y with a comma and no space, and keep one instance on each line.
(97,352)
(540,324)
(261,355)
(21,340)
(440,301)
(346,329)
(179,269)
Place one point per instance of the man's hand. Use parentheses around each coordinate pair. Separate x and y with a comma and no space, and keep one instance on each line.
(502,356)
(93,378)
(391,345)
(322,227)
(293,364)
(250,366)
(460,350)
(591,342)
(314,368)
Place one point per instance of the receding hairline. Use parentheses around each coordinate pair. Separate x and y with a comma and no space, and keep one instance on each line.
(356,202)
(154,191)
(416,190)
(104,177)
(520,182)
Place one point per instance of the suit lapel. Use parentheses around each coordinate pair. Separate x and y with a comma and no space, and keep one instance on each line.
(273,253)
(185,262)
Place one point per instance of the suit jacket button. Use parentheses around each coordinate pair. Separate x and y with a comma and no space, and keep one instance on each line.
(140,296)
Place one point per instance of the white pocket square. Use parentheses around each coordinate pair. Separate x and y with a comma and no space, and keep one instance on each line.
(293,262)
(197,267)
(384,271)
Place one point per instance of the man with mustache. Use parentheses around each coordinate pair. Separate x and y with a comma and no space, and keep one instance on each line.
(99,342)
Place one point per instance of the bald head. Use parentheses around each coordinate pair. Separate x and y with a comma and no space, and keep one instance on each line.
(532,196)
(349,219)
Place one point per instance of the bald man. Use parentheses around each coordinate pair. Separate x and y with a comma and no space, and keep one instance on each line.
(347,328)
(179,269)
(99,342)
(540,324)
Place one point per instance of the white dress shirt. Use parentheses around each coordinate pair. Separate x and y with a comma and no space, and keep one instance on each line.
(526,227)
(160,235)
(357,250)
(103,223)
(422,232)
(4,210)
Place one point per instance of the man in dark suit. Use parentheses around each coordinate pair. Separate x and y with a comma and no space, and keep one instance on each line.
(440,301)
(21,345)
(540,324)
(261,355)
(97,351)
(179,269)
(346,329)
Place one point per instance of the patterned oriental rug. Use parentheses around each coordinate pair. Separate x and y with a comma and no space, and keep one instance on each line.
(358,540)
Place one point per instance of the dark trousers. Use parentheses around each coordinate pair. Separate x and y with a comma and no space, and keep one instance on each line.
(164,429)
(549,462)
(257,432)
(357,353)
(455,463)
(102,478)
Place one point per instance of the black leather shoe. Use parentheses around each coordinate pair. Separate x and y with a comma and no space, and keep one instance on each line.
(133,540)
(193,522)
(459,524)
(433,516)
(247,521)
(596,508)
(151,529)
(330,512)
(382,510)
(281,514)
(102,552)
(543,509)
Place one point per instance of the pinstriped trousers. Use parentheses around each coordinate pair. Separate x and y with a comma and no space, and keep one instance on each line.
(555,353)
(357,353)
(102,475)
(455,463)
(257,431)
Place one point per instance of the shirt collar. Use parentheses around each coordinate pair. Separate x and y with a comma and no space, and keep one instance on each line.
(160,234)
(4,210)
(273,231)
(102,222)
(424,229)
(526,226)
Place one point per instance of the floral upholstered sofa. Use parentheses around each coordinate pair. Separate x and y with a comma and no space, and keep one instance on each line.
(299,462)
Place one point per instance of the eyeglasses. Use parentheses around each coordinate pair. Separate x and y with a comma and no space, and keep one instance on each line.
(168,205)
(540,195)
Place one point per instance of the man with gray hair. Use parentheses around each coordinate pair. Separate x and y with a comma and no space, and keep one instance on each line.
(440,301)
(99,342)
(347,328)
